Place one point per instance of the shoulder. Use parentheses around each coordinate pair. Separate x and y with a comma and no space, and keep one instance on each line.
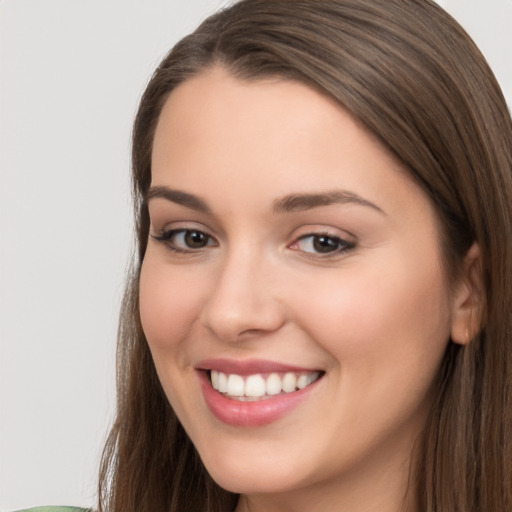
(56,509)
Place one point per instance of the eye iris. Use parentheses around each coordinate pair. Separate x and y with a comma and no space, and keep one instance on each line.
(196,239)
(325,244)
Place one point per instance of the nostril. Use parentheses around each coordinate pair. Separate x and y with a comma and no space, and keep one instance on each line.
(242,324)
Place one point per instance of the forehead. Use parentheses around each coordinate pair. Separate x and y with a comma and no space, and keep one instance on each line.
(217,131)
(231,107)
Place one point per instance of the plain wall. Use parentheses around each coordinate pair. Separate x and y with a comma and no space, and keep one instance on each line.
(489,22)
(71,73)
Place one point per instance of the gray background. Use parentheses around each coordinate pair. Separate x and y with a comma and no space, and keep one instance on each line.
(71,72)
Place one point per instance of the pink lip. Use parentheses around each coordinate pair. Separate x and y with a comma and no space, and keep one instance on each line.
(250,414)
(249,366)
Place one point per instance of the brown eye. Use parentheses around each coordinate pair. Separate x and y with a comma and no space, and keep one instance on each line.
(195,239)
(185,240)
(323,244)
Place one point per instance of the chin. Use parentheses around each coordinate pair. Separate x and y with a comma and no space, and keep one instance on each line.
(242,475)
(247,481)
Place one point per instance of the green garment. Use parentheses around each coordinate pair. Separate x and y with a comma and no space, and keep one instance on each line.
(56,509)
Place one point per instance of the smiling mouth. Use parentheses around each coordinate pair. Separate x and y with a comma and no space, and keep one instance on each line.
(260,386)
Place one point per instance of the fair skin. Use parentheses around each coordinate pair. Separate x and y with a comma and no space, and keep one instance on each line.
(344,284)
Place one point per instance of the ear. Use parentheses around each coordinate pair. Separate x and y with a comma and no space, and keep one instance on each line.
(468,299)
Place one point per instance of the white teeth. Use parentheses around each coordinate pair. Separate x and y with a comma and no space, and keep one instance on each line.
(302,381)
(235,385)
(273,384)
(223,382)
(289,382)
(257,386)
(215,379)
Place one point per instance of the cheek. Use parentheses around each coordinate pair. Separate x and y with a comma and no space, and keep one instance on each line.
(169,304)
(386,335)
(169,307)
(380,320)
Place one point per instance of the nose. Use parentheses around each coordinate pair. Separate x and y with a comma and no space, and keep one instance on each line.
(243,302)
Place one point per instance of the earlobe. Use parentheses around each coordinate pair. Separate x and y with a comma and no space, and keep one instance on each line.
(468,299)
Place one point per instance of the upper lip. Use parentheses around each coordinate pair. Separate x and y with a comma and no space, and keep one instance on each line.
(249,366)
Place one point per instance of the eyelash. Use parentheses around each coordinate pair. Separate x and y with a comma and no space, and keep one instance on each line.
(167,237)
(340,245)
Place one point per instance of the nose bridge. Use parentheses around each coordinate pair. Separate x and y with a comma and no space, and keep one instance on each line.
(243,299)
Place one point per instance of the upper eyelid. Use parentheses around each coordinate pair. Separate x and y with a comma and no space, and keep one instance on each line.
(341,239)
(162,221)
(297,233)
(319,230)
(176,230)
(345,248)
(166,236)
(323,232)
(177,225)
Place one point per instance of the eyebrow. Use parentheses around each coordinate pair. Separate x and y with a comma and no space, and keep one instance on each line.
(177,196)
(286,204)
(302,202)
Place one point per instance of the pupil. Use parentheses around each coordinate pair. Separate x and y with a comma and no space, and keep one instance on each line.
(195,239)
(325,244)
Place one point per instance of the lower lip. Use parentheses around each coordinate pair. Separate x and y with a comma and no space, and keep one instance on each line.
(251,414)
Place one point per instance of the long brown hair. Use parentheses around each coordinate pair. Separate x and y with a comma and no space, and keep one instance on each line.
(411,74)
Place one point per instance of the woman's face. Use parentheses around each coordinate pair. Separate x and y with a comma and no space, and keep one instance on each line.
(289,249)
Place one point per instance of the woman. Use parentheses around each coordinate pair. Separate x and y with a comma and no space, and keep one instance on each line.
(319,315)
(323,193)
